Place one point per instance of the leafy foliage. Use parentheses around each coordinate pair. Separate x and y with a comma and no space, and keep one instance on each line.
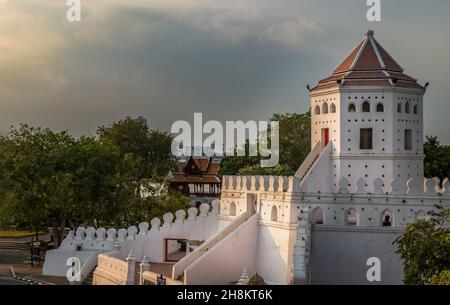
(150,149)
(295,139)
(295,143)
(425,250)
(279,170)
(437,158)
(52,179)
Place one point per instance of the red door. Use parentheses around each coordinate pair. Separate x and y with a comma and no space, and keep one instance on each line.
(325,136)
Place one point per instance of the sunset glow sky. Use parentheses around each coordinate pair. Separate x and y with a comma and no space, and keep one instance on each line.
(229,59)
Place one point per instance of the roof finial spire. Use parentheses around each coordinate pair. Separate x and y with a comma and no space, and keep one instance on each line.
(370,33)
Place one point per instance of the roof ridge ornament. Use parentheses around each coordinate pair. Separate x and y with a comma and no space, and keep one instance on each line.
(370,33)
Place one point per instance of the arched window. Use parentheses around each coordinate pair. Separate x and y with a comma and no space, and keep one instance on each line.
(416,109)
(274,214)
(407,107)
(351,217)
(386,219)
(366,107)
(422,216)
(399,108)
(317,110)
(317,216)
(324,108)
(333,108)
(351,108)
(380,108)
(233,209)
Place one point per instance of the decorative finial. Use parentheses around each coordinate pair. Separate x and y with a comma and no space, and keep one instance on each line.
(370,33)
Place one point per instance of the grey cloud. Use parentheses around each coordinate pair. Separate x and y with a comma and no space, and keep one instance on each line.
(165,63)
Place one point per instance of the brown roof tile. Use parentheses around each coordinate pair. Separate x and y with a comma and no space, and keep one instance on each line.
(368,65)
(389,62)
(347,63)
(368,60)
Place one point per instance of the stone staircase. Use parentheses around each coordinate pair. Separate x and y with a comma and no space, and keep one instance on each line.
(309,161)
(180,266)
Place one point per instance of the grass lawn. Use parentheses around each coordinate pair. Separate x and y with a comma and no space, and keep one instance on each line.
(18,234)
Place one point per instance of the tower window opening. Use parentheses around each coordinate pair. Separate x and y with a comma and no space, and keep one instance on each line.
(408,139)
(352,108)
(366,107)
(416,109)
(274,214)
(233,209)
(407,107)
(318,216)
(317,110)
(325,108)
(351,218)
(365,138)
(380,107)
(386,218)
(333,108)
(399,108)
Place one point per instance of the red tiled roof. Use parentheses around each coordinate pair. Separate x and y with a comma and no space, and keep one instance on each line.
(369,64)
(347,63)
(368,59)
(389,62)
(204,165)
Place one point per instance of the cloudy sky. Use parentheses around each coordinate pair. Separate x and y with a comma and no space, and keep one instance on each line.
(230,59)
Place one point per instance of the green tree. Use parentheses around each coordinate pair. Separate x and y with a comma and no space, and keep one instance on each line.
(233,164)
(34,178)
(51,179)
(424,248)
(150,148)
(147,208)
(97,180)
(295,145)
(437,158)
(255,170)
(295,139)
(148,162)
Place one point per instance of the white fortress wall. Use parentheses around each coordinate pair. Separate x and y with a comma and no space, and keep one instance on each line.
(271,199)
(225,261)
(339,255)
(142,240)
(347,226)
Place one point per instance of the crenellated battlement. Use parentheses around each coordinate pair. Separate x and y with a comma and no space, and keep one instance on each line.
(191,224)
(414,187)
(282,199)
(280,184)
(311,184)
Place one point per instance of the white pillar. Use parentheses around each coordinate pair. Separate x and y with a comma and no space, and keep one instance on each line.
(144,266)
(131,268)
(302,250)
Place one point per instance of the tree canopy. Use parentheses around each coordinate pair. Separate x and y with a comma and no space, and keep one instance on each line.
(50,178)
(295,144)
(437,159)
(424,248)
(150,148)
